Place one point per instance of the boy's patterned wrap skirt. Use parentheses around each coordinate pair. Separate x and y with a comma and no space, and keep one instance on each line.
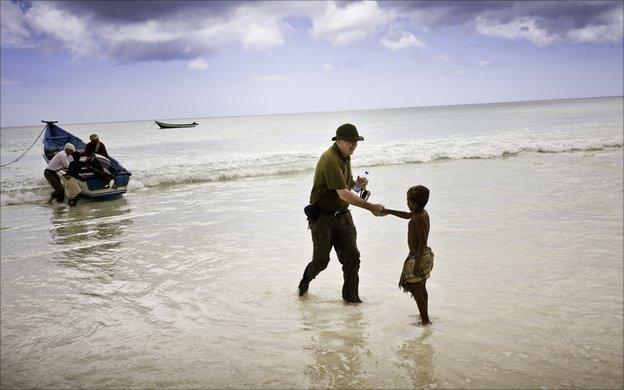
(410,276)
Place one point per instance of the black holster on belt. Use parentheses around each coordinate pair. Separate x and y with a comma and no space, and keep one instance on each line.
(312,213)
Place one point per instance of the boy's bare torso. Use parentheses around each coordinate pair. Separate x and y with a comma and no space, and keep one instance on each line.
(418,232)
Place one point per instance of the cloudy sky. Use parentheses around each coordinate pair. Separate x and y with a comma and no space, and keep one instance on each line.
(87,61)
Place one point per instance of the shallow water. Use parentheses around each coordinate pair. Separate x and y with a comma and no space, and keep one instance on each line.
(195,285)
(190,279)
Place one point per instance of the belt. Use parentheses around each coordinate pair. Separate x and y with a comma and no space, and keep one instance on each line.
(335,213)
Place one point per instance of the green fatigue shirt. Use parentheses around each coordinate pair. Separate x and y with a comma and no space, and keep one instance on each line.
(333,172)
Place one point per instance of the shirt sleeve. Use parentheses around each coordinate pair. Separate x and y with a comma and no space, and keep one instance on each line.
(333,176)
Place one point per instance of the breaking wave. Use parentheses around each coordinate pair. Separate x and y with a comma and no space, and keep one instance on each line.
(32,188)
(392,153)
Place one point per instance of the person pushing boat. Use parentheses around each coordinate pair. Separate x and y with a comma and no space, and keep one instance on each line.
(60,161)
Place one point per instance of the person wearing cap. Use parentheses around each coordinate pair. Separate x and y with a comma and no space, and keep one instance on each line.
(60,161)
(95,146)
(332,226)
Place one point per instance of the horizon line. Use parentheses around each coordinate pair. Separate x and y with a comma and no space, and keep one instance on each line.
(328,111)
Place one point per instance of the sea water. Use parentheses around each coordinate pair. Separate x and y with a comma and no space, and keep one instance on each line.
(190,279)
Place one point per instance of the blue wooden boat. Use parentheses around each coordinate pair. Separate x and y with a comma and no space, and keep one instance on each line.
(92,186)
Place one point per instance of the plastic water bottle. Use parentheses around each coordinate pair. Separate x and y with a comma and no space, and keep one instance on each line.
(356,186)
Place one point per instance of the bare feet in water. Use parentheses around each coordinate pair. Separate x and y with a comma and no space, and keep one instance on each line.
(424,322)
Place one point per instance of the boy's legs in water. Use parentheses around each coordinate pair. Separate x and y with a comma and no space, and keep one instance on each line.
(419,292)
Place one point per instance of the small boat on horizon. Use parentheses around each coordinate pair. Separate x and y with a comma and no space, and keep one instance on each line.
(164,125)
(91,185)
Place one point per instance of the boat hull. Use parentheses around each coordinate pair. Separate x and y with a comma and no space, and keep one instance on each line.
(164,125)
(94,188)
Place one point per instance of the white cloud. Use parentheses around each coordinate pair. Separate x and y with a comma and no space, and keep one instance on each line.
(149,31)
(13,32)
(254,28)
(600,34)
(197,65)
(68,29)
(442,57)
(262,36)
(328,66)
(400,40)
(349,24)
(484,63)
(193,29)
(523,28)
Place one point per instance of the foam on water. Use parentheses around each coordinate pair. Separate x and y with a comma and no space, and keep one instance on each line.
(391,153)
(155,172)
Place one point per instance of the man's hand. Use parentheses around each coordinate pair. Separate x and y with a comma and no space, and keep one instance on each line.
(377,210)
(352,198)
(362,182)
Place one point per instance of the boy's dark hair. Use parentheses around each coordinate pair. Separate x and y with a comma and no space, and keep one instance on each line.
(419,195)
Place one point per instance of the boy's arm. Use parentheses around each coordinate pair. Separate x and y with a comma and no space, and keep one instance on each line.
(400,214)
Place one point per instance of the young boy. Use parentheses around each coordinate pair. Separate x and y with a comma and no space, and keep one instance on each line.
(419,262)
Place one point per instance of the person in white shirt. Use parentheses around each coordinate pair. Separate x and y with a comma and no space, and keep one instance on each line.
(60,161)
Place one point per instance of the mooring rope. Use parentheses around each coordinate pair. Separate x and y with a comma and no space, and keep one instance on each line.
(26,151)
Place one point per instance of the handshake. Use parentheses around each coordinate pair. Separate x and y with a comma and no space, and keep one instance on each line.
(378,210)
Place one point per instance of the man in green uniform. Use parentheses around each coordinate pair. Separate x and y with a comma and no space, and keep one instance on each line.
(331,194)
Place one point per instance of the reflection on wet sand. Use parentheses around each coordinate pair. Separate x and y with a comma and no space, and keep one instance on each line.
(416,358)
(338,345)
(90,234)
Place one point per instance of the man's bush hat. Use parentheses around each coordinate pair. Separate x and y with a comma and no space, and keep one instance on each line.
(347,132)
